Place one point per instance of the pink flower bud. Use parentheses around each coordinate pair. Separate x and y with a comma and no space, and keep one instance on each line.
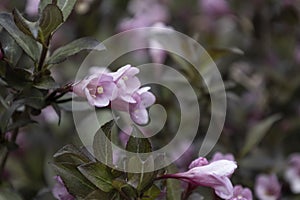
(215,175)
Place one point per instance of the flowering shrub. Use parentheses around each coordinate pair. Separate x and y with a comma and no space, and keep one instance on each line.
(256,155)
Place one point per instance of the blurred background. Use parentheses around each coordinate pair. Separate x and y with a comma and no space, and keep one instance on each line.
(256,46)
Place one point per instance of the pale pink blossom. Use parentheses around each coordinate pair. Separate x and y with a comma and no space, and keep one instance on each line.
(267,187)
(240,193)
(292,173)
(214,8)
(32,7)
(145,13)
(59,190)
(99,89)
(127,82)
(138,111)
(198,162)
(215,175)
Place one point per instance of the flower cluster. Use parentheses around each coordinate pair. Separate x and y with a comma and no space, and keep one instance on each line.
(120,89)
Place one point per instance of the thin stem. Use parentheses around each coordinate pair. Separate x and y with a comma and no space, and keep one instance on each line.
(42,58)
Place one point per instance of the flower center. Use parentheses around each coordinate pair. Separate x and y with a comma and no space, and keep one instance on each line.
(125,78)
(100,90)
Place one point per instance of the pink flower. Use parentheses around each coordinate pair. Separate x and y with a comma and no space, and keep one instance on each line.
(267,187)
(198,162)
(99,89)
(145,13)
(138,111)
(292,173)
(59,191)
(220,156)
(240,193)
(215,175)
(214,8)
(32,7)
(126,82)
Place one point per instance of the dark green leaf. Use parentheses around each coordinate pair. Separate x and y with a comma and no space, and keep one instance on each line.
(43,4)
(33,98)
(152,193)
(123,187)
(30,46)
(102,144)
(17,77)
(50,20)
(173,186)
(98,194)
(20,123)
(75,182)
(6,115)
(137,143)
(62,53)
(27,27)
(144,175)
(66,6)
(11,49)
(98,174)
(45,82)
(256,133)
(72,155)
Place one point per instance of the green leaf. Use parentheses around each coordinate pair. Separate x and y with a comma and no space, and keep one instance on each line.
(20,123)
(123,187)
(256,133)
(50,20)
(62,53)
(102,144)
(174,188)
(98,174)
(152,193)
(11,49)
(143,166)
(6,115)
(66,6)
(75,182)
(98,194)
(141,180)
(43,4)
(18,78)
(33,98)
(46,83)
(73,155)
(137,143)
(30,46)
(27,27)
